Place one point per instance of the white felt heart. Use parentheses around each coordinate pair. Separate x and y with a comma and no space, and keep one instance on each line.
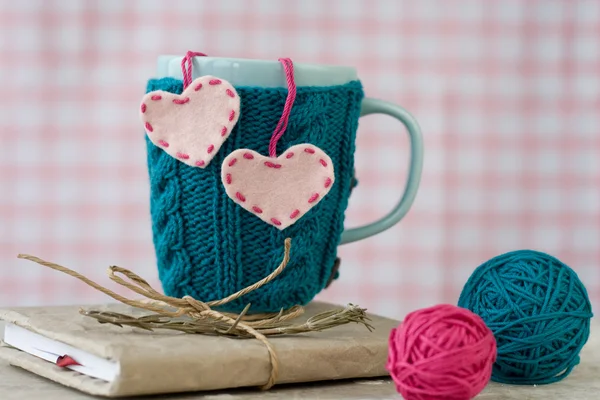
(278,190)
(193,125)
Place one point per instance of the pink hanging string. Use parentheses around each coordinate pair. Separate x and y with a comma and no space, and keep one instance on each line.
(288,67)
(186,66)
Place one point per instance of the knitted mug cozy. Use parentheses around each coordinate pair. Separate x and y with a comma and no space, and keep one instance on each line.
(208,247)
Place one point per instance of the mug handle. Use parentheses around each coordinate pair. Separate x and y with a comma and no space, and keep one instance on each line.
(374,106)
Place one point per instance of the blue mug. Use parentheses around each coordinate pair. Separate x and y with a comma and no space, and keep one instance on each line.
(207,246)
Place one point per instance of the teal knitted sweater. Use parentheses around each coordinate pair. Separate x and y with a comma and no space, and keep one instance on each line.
(208,247)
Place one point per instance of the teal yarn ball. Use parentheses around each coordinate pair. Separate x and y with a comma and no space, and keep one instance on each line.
(538,310)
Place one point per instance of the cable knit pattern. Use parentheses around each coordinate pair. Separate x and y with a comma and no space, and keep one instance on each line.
(208,247)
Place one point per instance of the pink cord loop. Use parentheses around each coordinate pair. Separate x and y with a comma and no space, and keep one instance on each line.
(186,66)
(288,67)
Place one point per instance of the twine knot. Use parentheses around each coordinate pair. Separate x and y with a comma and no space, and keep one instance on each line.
(197,305)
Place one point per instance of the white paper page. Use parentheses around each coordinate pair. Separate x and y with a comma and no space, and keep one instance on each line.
(49,350)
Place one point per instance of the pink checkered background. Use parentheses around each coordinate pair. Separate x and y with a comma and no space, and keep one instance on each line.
(507,94)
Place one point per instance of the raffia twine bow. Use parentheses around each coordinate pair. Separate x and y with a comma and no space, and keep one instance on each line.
(194,316)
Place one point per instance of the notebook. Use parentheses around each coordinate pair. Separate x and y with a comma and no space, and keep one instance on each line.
(100,359)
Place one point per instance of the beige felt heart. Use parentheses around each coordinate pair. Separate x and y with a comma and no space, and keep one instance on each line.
(278,190)
(193,125)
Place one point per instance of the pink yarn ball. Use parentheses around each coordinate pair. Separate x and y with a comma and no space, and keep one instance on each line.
(442,352)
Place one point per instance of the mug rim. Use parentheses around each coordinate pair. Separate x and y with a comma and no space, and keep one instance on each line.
(257,72)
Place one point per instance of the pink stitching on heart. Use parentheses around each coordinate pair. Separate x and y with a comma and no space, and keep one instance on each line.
(257,210)
(272,165)
(183,156)
(183,135)
(276,221)
(258,186)
(163,143)
(240,196)
(290,154)
(309,150)
(181,101)
(323,163)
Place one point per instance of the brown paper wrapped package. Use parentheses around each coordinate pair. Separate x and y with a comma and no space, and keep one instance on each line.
(167,362)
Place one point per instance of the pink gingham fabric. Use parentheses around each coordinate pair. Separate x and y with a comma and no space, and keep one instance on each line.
(507,94)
